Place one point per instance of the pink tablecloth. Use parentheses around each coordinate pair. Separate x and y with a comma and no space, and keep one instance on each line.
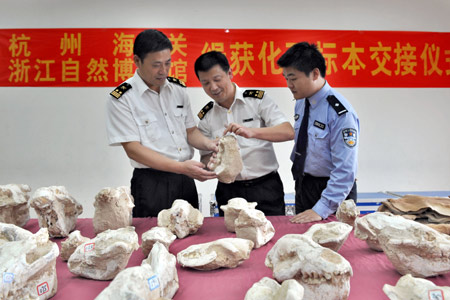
(371,270)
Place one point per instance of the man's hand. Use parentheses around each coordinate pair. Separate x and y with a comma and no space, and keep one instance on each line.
(239,130)
(213,145)
(306,217)
(195,169)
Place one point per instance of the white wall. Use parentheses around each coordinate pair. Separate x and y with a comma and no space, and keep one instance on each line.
(56,136)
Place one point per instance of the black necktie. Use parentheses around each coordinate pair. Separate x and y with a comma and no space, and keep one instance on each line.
(302,142)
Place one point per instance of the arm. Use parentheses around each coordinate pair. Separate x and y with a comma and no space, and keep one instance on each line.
(306,217)
(279,133)
(154,160)
(344,159)
(199,141)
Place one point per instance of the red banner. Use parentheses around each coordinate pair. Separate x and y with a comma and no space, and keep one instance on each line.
(93,57)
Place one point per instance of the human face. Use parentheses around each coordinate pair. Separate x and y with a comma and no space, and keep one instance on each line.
(301,86)
(154,68)
(218,85)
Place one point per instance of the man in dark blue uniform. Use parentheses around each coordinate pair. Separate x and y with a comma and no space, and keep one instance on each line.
(326,144)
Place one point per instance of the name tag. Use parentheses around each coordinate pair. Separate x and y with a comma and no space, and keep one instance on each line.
(180,106)
(319,125)
(247,120)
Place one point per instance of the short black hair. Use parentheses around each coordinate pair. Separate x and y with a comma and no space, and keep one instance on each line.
(209,59)
(304,57)
(150,40)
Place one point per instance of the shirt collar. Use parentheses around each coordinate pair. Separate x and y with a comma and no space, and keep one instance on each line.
(320,95)
(141,86)
(238,95)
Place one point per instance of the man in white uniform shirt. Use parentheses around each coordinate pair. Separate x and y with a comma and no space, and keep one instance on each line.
(150,116)
(256,121)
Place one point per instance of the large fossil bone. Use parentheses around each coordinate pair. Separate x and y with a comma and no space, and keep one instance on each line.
(228,163)
(347,212)
(232,209)
(331,235)
(269,289)
(56,209)
(182,218)
(103,257)
(222,253)
(411,288)
(253,225)
(113,209)
(323,273)
(413,248)
(164,264)
(14,206)
(27,264)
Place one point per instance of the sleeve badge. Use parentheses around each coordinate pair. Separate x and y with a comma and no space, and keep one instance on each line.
(350,137)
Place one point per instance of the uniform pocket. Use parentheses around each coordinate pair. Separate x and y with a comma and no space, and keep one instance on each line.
(320,138)
(148,128)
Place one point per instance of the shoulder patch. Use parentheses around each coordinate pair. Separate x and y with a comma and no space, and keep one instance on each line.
(176,80)
(259,94)
(120,90)
(205,109)
(337,105)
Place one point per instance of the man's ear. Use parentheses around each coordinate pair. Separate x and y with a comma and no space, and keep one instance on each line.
(137,60)
(230,73)
(316,73)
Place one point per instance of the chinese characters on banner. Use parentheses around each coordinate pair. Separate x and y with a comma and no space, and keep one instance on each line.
(104,57)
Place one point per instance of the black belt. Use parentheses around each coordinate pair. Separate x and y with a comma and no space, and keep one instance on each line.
(306,175)
(256,180)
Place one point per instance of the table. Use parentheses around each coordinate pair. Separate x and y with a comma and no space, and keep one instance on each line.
(371,269)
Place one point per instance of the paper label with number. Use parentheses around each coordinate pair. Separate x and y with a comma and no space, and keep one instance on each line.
(42,288)
(435,295)
(153,282)
(89,247)
(8,277)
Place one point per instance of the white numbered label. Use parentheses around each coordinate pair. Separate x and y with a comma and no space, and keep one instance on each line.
(42,288)
(153,282)
(89,247)
(435,295)
(8,277)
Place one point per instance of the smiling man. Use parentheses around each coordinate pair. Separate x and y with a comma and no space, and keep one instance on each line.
(256,121)
(325,153)
(150,116)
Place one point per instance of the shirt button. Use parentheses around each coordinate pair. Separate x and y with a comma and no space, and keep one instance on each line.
(146,121)
(179,149)
(229,111)
(165,114)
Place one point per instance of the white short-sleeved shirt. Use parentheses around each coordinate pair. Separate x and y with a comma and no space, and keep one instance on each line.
(257,155)
(157,120)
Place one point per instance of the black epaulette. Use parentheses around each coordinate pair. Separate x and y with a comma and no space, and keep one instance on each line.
(337,105)
(205,109)
(120,90)
(176,80)
(259,94)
